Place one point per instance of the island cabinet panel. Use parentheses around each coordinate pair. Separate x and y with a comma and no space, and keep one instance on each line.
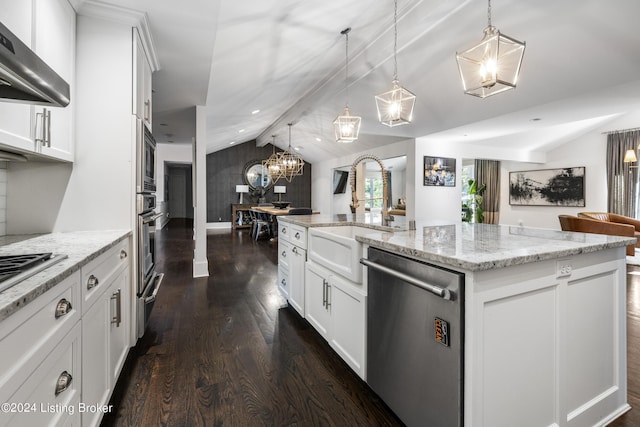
(546,345)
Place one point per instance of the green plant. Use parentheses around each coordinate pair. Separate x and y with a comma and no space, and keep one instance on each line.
(472,208)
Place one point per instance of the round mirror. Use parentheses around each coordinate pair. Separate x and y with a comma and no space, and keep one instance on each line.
(257,176)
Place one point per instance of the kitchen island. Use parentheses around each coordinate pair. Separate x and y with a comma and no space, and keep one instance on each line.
(544,316)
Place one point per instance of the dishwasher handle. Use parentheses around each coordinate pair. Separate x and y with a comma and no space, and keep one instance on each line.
(436,290)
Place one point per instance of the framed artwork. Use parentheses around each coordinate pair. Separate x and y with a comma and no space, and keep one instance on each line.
(547,187)
(439,171)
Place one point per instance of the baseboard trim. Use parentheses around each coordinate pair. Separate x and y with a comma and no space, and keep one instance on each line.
(200,268)
(218,225)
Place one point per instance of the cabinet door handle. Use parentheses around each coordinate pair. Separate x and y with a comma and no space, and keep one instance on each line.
(147,109)
(92,282)
(64,382)
(117,319)
(42,119)
(324,293)
(47,119)
(62,308)
(123,254)
(328,296)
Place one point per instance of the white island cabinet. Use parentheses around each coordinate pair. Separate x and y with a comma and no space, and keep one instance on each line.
(544,316)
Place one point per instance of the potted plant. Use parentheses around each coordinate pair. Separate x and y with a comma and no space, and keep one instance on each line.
(472,209)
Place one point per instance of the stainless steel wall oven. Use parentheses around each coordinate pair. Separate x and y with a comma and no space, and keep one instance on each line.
(148,279)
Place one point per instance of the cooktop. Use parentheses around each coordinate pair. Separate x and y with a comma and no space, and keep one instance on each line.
(16,268)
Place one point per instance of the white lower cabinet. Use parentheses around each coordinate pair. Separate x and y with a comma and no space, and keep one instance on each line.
(336,308)
(292,256)
(298,258)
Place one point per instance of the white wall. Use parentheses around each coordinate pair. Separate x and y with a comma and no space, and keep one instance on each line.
(322,197)
(589,151)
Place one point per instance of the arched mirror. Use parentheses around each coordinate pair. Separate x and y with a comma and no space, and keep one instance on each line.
(256,176)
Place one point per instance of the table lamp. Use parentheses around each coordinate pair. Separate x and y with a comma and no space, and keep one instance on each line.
(242,189)
(279,190)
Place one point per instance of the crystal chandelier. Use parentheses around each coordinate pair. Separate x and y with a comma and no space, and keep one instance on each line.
(346,126)
(272,163)
(395,107)
(492,66)
(291,163)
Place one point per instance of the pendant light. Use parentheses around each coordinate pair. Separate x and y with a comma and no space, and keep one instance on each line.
(291,163)
(272,163)
(346,126)
(492,66)
(395,107)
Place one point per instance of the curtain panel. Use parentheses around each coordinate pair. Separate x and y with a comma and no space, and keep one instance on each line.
(488,172)
(622,179)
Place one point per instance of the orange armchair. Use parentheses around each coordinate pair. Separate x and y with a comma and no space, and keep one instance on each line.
(615,219)
(596,226)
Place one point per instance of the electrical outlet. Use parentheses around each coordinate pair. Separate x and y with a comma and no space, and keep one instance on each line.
(563,268)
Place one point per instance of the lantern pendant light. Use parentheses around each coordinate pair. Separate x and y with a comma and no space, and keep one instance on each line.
(291,163)
(346,126)
(395,107)
(492,66)
(272,163)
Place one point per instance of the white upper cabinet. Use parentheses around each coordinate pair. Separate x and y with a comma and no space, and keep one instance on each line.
(49,28)
(15,118)
(55,42)
(142,105)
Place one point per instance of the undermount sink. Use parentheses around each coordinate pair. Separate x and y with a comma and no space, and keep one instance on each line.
(337,249)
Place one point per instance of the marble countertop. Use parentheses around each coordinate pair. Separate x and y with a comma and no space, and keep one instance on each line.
(80,248)
(471,247)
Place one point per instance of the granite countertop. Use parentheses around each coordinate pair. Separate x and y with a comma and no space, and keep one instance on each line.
(80,248)
(471,247)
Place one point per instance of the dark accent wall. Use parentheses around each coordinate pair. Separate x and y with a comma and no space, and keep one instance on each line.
(224,172)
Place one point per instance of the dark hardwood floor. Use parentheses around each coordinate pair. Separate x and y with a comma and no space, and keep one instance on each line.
(227,350)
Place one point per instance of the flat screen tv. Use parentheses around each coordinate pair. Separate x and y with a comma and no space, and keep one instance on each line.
(340,181)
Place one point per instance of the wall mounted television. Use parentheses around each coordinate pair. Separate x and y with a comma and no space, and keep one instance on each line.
(340,181)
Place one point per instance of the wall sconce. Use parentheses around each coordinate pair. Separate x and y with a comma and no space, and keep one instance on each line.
(279,190)
(242,189)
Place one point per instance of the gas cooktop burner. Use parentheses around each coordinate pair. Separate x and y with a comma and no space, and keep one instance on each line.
(16,268)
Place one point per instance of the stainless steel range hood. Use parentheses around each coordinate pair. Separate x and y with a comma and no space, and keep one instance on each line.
(24,77)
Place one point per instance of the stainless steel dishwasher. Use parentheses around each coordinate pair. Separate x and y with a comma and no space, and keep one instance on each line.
(415,337)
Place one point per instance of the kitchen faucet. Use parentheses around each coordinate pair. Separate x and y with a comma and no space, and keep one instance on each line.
(386,219)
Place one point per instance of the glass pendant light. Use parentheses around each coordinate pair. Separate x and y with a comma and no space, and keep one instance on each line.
(272,163)
(395,107)
(492,66)
(291,163)
(346,126)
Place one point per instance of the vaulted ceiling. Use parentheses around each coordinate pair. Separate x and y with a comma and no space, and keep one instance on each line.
(286,59)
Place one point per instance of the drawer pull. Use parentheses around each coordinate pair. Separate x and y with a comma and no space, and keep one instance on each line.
(92,282)
(123,254)
(62,308)
(297,235)
(284,231)
(294,250)
(117,296)
(284,282)
(284,254)
(64,382)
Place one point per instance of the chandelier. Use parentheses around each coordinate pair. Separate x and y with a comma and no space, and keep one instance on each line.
(272,163)
(346,126)
(290,162)
(395,107)
(492,66)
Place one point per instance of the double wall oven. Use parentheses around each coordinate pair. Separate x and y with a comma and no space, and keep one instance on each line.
(148,279)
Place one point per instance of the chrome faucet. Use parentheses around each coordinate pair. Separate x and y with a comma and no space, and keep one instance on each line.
(352,181)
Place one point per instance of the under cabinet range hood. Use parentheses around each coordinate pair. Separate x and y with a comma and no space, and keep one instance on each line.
(24,77)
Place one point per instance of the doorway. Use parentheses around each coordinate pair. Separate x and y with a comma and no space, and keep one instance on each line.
(179,190)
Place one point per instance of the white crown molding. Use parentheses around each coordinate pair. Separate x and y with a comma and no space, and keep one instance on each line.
(123,15)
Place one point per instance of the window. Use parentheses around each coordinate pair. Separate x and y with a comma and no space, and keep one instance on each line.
(373,192)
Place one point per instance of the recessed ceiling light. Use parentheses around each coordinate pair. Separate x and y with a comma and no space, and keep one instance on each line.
(298,148)
(232,142)
(255,111)
(241,130)
(318,139)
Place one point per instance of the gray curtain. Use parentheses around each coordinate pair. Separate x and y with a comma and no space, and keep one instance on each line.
(622,179)
(488,172)
(389,192)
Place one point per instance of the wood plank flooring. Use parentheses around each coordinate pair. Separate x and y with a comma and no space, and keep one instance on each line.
(226,351)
